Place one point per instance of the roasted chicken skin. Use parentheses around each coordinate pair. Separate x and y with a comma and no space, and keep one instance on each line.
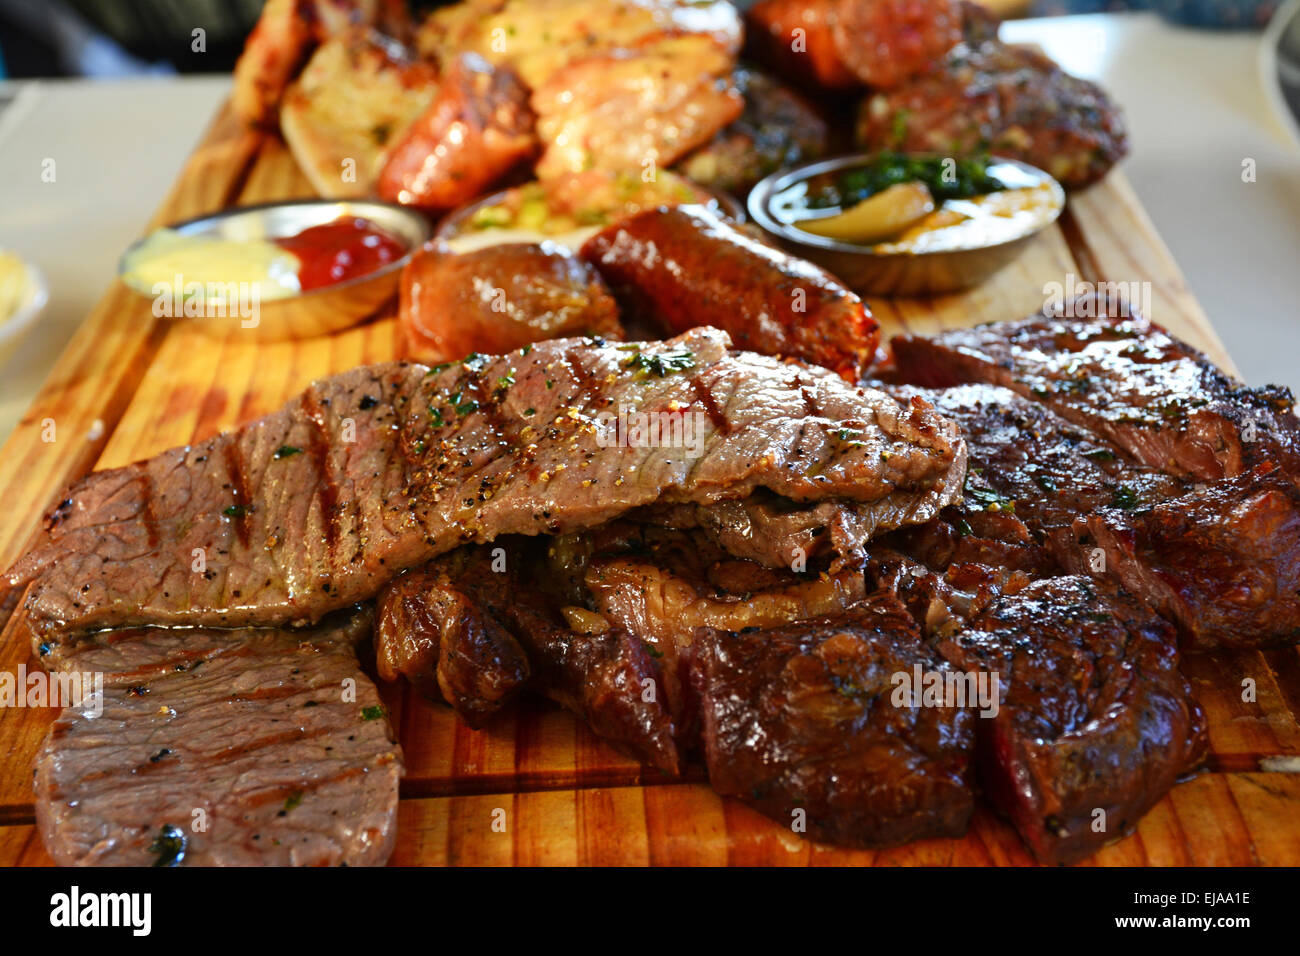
(475,130)
(685,267)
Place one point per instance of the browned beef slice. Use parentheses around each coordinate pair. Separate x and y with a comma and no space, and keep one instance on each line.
(608,677)
(222,748)
(1154,398)
(799,721)
(1094,715)
(1222,562)
(434,634)
(379,469)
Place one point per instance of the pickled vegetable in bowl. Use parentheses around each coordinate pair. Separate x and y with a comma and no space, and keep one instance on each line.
(899,204)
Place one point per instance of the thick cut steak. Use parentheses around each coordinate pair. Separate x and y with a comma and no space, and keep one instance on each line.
(380,469)
(1156,399)
(1096,721)
(222,748)
(801,722)
(1222,562)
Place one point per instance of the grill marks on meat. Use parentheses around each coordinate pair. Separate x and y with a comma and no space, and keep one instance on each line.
(379,469)
(1095,714)
(1158,469)
(250,726)
(799,718)
(685,267)
(1222,562)
(1154,398)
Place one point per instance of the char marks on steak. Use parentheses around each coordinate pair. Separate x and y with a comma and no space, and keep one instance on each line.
(1095,714)
(1154,467)
(1222,562)
(800,719)
(249,726)
(380,469)
(1156,399)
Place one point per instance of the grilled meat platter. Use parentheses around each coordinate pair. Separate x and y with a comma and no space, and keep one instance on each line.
(649,466)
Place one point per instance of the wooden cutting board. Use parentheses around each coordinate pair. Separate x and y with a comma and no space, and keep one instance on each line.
(129,386)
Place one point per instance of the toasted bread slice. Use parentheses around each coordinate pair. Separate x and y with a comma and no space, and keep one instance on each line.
(357,95)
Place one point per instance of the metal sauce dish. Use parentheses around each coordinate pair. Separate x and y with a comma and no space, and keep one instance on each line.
(899,272)
(315,311)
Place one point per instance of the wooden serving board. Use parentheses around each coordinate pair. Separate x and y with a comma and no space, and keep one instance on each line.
(129,386)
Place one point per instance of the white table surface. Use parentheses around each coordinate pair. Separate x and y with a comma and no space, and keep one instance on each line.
(1193,100)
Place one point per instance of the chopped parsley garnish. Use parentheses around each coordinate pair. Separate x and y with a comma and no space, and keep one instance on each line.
(373,712)
(284,451)
(168,847)
(1125,498)
(293,800)
(237,511)
(660,363)
(1099,454)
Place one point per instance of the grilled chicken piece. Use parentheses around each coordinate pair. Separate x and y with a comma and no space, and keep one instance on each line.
(685,267)
(636,108)
(794,38)
(476,130)
(1095,723)
(359,91)
(537,38)
(254,728)
(500,298)
(1002,99)
(776,129)
(435,635)
(1154,399)
(379,469)
(802,722)
(284,37)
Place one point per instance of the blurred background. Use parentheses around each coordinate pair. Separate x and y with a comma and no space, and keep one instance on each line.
(114,38)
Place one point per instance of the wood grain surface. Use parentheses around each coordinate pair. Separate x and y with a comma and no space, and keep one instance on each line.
(536,787)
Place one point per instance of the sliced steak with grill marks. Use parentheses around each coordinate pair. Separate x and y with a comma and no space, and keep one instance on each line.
(382,468)
(255,728)
(1156,399)
(1095,714)
(1222,562)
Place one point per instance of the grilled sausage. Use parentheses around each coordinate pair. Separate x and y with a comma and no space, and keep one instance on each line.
(684,267)
(500,298)
(477,128)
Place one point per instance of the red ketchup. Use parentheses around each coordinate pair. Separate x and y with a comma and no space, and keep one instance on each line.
(340,250)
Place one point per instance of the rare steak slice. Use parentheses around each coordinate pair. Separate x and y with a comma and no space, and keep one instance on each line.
(1157,400)
(222,747)
(380,469)
(1095,723)
(803,722)
(1222,562)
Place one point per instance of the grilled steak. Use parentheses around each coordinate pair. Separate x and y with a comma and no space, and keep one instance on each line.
(993,97)
(1222,562)
(222,748)
(1161,402)
(801,722)
(379,469)
(434,634)
(1095,715)
(684,267)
